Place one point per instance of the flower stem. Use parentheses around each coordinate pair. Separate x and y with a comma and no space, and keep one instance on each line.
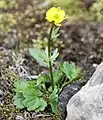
(49,55)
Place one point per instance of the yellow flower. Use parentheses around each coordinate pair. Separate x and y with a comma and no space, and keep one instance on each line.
(56,15)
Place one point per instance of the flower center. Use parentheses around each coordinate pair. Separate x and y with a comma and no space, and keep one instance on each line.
(56,16)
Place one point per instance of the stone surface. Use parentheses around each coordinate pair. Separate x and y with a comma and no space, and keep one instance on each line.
(65,96)
(70,90)
(87,104)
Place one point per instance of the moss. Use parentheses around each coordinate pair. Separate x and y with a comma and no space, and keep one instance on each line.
(76,10)
(96,10)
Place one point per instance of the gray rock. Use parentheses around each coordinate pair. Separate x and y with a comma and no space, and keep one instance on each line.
(65,96)
(87,104)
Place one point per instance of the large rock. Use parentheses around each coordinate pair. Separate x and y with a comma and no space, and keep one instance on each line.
(87,104)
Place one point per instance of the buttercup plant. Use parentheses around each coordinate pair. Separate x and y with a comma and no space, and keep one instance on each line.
(55,16)
(38,94)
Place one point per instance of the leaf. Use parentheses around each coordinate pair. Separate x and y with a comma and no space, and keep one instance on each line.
(39,55)
(42,105)
(20,85)
(55,55)
(31,104)
(71,71)
(56,30)
(54,100)
(27,95)
(55,33)
(42,56)
(57,76)
(37,104)
(18,100)
(43,81)
(32,92)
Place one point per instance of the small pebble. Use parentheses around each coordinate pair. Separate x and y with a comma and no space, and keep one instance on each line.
(19,117)
(95,65)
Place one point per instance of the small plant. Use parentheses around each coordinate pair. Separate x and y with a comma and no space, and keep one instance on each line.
(28,95)
(39,94)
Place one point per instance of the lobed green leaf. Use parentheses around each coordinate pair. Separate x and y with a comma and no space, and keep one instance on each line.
(54,100)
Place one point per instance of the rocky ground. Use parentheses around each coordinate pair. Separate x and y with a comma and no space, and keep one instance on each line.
(83,45)
(81,42)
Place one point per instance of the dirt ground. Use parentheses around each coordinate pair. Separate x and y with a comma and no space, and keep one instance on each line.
(81,43)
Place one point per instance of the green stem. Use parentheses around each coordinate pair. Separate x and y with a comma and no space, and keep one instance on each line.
(49,55)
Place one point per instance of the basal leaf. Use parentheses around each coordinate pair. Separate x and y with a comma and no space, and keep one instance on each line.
(54,100)
(42,105)
(28,96)
(37,104)
(31,104)
(57,75)
(32,92)
(71,71)
(18,100)
(20,85)
(42,81)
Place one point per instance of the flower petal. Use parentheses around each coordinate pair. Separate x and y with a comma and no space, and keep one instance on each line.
(55,14)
